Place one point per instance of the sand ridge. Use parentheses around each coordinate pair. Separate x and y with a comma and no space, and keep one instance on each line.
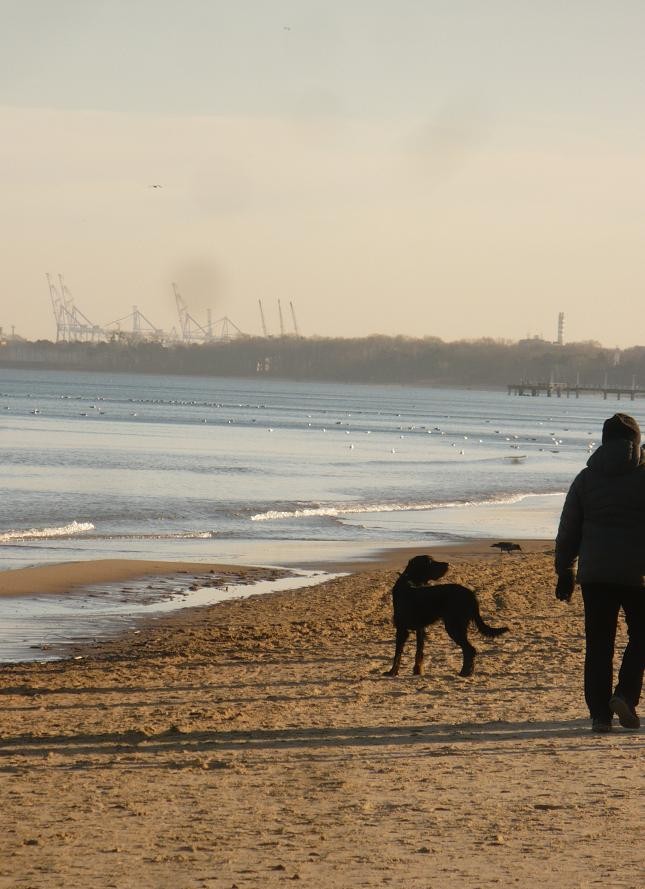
(256,742)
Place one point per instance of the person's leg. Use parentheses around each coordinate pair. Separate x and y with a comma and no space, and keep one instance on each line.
(601,617)
(630,677)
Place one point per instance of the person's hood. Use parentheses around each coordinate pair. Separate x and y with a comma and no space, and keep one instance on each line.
(616,457)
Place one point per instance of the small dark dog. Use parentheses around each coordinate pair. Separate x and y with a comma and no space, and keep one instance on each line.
(417,605)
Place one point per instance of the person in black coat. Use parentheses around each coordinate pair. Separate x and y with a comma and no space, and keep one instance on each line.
(602,527)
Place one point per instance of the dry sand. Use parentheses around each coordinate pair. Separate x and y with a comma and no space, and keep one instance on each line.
(255,743)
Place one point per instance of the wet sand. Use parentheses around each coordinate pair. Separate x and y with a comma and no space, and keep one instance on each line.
(256,742)
(67,577)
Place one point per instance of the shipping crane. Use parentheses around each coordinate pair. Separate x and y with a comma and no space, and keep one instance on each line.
(71,324)
(194,332)
(191,330)
(264,326)
(295,323)
(281,319)
(142,327)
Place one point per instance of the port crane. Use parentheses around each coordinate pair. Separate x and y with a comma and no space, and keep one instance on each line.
(194,332)
(293,316)
(142,327)
(71,324)
(283,331)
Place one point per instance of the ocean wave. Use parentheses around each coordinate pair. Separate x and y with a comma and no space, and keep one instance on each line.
(160,535)
(43,533)
(354,508)
(84,528)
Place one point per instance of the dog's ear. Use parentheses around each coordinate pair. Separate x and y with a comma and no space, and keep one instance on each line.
(419,569)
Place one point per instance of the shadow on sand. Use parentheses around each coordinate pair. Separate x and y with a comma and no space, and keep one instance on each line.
(449,739)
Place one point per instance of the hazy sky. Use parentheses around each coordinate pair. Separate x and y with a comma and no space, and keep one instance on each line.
(459,169)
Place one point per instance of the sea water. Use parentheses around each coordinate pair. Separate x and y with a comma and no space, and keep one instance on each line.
(99,465)
(46,627)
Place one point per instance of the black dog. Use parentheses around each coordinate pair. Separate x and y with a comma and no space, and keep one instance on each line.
(417,605)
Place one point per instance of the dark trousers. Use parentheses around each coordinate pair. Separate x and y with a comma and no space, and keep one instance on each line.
(603,602)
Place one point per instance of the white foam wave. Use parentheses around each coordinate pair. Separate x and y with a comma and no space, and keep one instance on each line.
(161,535)
(43,533)
(172,535)
(353,508)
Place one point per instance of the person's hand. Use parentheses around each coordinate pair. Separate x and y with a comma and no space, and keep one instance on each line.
(565,585)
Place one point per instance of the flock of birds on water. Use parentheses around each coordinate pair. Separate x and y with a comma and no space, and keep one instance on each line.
(512,439)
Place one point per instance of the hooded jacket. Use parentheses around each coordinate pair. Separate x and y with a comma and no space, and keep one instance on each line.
(603,519)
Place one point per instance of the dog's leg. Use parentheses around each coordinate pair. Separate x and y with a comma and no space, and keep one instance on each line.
(401,638)
(458,633)
(468,665)
(418,658)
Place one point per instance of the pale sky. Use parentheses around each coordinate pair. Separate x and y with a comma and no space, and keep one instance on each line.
(449,168)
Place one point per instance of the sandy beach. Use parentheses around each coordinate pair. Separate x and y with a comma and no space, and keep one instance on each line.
(256,743)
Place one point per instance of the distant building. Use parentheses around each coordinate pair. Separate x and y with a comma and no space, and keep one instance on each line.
(531,340)
(10,337)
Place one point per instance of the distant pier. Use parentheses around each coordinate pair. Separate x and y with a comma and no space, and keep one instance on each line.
(560,389)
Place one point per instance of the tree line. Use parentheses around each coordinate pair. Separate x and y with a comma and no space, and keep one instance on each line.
(372,359)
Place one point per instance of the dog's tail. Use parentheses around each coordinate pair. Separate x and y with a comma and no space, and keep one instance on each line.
(484,628)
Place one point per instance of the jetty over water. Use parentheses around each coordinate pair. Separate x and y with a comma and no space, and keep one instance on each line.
(559,389)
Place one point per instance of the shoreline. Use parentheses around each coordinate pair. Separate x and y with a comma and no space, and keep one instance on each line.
(50,612)
(70,577)
(111,596)
(60,578)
